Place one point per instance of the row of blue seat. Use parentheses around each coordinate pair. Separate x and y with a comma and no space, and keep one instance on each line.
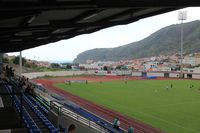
(30,124)
(35,102)
(33,128)
(43,118)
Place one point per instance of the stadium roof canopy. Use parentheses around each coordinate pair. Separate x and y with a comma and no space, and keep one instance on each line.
(29,23)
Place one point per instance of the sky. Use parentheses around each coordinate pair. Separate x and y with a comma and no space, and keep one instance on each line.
(67,50)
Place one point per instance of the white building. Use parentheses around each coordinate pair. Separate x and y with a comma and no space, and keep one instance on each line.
(150,66)
(192,59)
(94,66)
(192,70)
(189,60)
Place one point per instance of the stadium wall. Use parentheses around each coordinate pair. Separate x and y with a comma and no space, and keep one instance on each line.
(101,73)
(123,72)
(170,74)
(173,75)
(155,74)
(91,72)
(136,73)
(196,76)
(104,73)
(56,73)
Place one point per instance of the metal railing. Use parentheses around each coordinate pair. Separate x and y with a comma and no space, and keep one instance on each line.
(62,111)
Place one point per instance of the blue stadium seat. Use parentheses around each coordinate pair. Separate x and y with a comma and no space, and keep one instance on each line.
(30,124)
(43,118)
(38,104)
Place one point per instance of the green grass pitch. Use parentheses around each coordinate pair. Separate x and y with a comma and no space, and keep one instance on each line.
(176,110)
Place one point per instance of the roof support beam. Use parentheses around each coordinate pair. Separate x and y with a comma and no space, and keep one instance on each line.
(41,6)
(94,4)
(27,24)
(17,14)
(57,24)
(146,3)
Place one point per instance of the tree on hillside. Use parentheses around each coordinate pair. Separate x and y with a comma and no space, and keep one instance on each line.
(16,60)
(119,67)
(5,60)
(55,65)
(105,68)
(30,64)
(68,66)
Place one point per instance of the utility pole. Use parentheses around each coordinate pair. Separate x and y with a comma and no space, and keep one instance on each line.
(182,15)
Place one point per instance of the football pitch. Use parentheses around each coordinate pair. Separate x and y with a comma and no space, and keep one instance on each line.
(173,110)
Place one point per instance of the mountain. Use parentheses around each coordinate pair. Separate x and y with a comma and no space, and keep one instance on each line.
(165,41)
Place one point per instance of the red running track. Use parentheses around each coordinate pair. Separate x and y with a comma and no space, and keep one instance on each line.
(99,110)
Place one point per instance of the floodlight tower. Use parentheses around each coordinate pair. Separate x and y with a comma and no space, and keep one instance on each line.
(182,15)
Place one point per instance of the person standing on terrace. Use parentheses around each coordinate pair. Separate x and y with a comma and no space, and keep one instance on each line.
(116,123)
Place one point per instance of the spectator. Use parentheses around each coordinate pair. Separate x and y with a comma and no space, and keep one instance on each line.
(130,129)
(116,123)
(28,89)
(71,129)
(21,82)
(27,83)
(62,129)
(11,72)
(23,78)
(32,91)
(7,70)
(4,75)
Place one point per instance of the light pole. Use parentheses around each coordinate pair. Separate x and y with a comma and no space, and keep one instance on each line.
(182,15)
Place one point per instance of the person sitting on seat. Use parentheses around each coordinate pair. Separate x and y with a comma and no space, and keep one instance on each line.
(28,89)
(4,75)
(130,129)
(62,129)
(71,129)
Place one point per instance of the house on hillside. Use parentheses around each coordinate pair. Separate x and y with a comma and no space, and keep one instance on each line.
(151,66)
(94,66)
(192,59)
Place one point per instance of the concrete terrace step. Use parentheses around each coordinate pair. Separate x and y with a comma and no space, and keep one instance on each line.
(20,130)
(36,119)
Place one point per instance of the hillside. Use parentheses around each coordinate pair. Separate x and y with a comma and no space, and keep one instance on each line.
(165,41)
